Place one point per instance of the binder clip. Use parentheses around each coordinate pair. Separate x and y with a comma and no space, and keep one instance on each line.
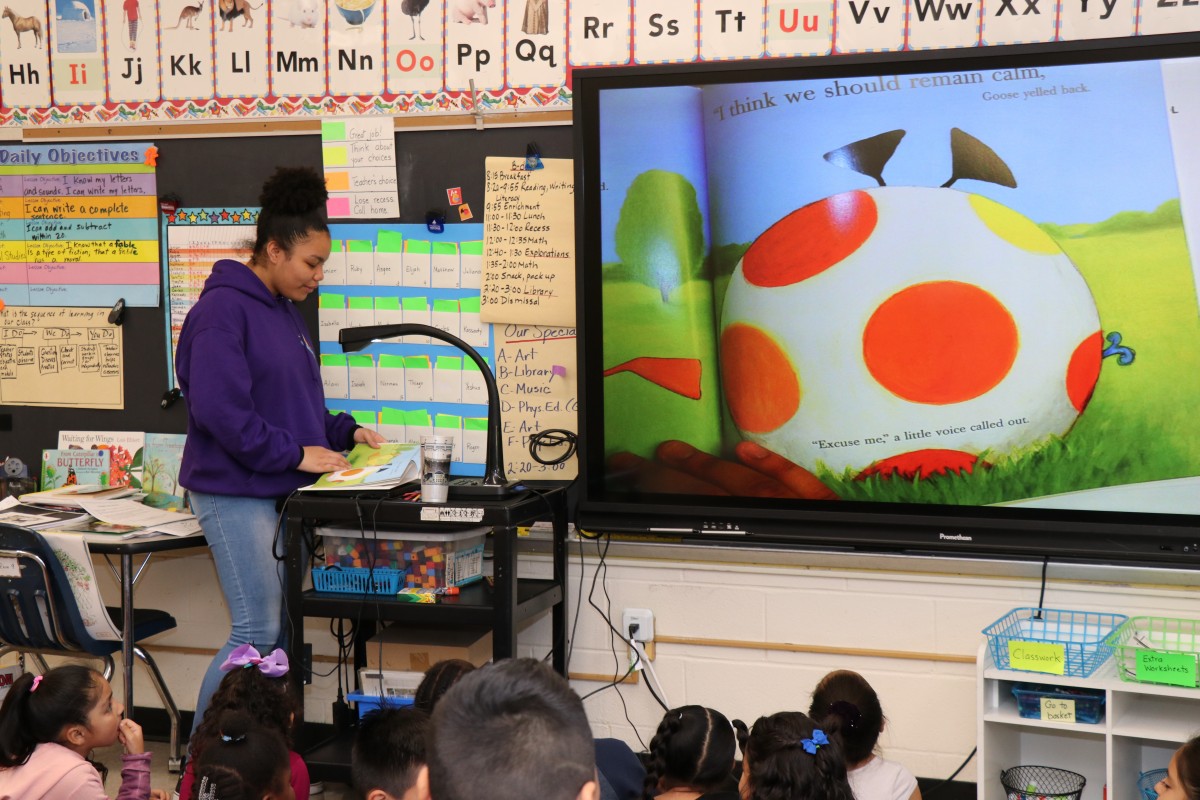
(117,315)
(435,221)
(533,157)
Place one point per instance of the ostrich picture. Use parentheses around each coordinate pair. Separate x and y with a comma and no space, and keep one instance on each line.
(414,8)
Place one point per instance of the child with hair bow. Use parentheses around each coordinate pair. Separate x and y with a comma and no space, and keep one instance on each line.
(260,687)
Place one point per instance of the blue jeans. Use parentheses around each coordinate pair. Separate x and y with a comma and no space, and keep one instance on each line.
(240,532)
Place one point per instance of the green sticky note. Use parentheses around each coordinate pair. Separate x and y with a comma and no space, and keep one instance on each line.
(447,421)
(335,246)
(329,300)
(389,242)
(469,305)
(1175,669)
(471,366)
(357,246)
(334,156)
(474,248)
(391,362)
(361,303)
(446,306)
(333,360)
(333,131)
(417,246)
(1037,656)
(387,303)
(416,362)
(450,362)
(445,248)
(357,360)
(391,416)
(419,417)
(367,418)
(415,304)
(475,424)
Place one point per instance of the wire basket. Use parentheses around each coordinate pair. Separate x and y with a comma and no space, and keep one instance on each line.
(357,580)
(1081,634)
(1042,783)
(1148,780)
(1140,636)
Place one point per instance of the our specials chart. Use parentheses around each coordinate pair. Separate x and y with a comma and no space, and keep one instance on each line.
(78,225)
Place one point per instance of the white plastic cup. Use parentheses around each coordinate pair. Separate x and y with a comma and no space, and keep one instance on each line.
(436,452)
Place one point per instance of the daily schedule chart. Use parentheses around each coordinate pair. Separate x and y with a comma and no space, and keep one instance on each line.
(78,225)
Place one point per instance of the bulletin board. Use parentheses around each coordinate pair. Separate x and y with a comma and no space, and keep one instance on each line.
(218,172)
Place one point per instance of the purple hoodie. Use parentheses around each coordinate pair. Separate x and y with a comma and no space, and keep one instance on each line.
(253,388)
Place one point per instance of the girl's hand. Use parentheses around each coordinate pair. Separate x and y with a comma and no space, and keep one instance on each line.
(368,436)
(159,794)
(130,735)
(321,459)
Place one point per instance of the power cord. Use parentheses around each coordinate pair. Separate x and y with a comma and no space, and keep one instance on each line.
(961,767)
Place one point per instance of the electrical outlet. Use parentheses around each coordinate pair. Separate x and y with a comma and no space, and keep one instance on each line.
(643,618)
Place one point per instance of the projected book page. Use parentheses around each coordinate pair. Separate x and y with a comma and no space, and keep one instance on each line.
(949,288)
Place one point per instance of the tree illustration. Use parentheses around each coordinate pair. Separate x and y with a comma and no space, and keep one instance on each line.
(660,233)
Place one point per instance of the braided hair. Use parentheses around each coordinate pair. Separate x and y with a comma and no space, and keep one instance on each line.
(847,696)
(244,762)
(787,757)
(694,747)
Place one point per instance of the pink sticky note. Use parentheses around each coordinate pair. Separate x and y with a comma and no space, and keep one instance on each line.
(338,206)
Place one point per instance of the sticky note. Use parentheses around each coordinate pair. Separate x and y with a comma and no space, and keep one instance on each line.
(367,419)
(338,206)
(334,156)
(333,131)
(337,181)
(1058,709)
(389,242)
(1174,669)
(1037,656)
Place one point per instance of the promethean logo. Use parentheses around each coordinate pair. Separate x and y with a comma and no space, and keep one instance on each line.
(954,537)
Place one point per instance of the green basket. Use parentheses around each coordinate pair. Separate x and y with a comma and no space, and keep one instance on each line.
(1157,650)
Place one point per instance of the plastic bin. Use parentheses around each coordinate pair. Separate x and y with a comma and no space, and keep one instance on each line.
(1034,782)
(429,560)
(353,580)
(1088,703)
(372,702)
(1158,650)
(1081,634)
(1148,780)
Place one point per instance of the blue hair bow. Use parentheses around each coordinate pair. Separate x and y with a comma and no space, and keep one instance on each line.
(818,739)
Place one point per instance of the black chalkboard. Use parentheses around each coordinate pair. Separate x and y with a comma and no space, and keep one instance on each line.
(230,171)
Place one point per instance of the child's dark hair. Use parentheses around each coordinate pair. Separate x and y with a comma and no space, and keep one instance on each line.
(270,702)
(847,696)
(293,206)
(243,762)
(37,708)
(1187,764)
(438,679)
(389,750)
(786,760)
(694,748)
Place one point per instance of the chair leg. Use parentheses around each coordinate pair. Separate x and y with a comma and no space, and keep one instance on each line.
(175,758)
(41,662)
(109,667)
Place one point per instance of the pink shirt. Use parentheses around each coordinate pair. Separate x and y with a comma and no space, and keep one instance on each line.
(54,772)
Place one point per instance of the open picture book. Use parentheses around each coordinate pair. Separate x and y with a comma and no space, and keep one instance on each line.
(389,465)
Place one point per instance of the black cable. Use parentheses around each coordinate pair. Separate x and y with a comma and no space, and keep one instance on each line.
(961,767)
(1042,594)
(550,438)
(607,617)
(611,685)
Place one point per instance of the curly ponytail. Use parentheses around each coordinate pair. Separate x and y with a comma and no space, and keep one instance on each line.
(847,696)
(694,747)
(787,757)
(293,206)
(243,762)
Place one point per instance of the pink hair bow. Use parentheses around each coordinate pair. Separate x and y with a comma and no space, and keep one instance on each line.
(273,665)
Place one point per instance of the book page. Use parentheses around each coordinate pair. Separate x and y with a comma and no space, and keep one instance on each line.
(72,552)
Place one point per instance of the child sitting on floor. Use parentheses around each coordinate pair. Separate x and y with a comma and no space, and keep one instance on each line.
(389,750)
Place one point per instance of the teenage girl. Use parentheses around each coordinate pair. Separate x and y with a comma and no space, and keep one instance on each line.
(691,757)
(48,726)
(257,424)
(848,697)
(787,757)
(1183,774)
(244,762)
(261,688)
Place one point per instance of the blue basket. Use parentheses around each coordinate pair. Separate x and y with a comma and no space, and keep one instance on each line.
(357,580)
(367,703)
(1081,634)
(1148,780)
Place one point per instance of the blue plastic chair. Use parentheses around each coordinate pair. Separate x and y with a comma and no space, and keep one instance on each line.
(40,616)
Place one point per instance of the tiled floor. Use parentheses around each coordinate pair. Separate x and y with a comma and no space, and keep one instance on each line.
(162,779)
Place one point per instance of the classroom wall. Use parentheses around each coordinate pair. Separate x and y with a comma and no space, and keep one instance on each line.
(910,625)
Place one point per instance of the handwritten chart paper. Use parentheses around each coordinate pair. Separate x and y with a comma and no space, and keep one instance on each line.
(360,167)
(529,243)
(197,238)
(69,357)
(78,225)
(535,374)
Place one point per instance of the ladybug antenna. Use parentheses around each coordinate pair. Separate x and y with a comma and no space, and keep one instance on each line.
(974,159)
(868,156)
